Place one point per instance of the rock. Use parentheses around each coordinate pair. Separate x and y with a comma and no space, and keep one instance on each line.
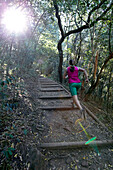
(67,128)
(37,160)
(69,160)
(84,163)
(57,124)
(51,164)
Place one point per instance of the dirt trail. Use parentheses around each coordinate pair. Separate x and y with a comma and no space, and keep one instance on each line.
(62,126)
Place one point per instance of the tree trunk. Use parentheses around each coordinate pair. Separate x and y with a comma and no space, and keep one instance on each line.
(95,65)
(95,83)
(60,61)
(109,85)
(108,89)
(79,52)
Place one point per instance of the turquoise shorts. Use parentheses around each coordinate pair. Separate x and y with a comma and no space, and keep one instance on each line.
(74,88)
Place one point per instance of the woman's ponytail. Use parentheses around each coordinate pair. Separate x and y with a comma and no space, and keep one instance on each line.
(71,62)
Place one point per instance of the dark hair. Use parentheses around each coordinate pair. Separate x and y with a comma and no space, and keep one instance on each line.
(71,62)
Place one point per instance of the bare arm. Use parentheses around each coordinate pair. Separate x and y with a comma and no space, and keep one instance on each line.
(85,73)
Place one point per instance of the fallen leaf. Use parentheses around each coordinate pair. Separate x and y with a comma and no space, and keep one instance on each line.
(15,155)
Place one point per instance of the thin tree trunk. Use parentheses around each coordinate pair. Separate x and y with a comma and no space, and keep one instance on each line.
(94,85)
(79,52)
(95,65)
(108,90)
(60,62)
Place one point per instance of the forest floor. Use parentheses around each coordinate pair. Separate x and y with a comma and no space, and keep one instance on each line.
(31,126)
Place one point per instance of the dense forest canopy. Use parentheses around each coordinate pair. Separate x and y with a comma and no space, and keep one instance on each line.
(56,31)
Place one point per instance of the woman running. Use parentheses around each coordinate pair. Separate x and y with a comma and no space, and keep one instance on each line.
(75,83)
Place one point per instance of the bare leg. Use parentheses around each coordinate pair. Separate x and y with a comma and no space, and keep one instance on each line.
(76,101)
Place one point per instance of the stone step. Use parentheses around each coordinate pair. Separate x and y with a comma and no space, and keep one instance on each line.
(55,97)
(55,85)
(49,84)
(57,108)
(70,145)
(50,90)
(47,81)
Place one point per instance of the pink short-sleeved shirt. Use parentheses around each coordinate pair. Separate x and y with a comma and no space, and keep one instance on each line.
(73,76)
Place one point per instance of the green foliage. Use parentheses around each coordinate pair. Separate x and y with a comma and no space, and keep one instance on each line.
(25,131)
(8,152)
(7,108)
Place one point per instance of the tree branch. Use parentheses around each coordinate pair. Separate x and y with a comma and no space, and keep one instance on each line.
(87,24)
(95,8)
(38,22)
(98,77)
(100,17)
(105,62)
(77,30)
(58,17)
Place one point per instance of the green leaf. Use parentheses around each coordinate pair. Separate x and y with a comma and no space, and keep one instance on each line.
(10,153)
(6,134)
(6,154)
(12,149)
(25,131)
(10,80)
(11,136)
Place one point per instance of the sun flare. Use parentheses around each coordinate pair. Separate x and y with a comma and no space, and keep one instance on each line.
(15,20)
